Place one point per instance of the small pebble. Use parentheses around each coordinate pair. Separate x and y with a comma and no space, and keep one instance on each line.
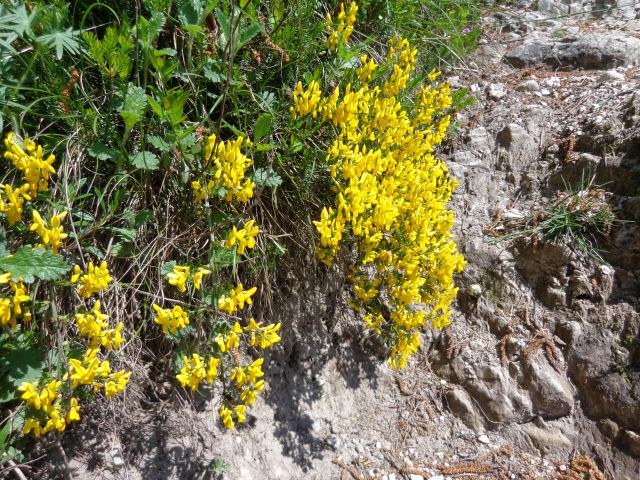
(484,439)
(528,86)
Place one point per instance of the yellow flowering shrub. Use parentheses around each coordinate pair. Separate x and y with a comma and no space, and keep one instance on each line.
(391,194)
(53,405)
(219,360)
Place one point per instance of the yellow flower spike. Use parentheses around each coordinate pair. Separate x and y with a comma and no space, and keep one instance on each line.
(30,394)
(73,415)
(212,369)
(240,412)
(193,372)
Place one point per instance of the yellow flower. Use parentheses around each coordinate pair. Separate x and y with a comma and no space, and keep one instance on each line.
(94,281)
(236,299)
(12,202)
(193,372)
(30,394)
(171,320)
(179,276)
(226,416)
(264,337)
(244,237)
(31,162)
(52,236)
(116,383)
(197,277)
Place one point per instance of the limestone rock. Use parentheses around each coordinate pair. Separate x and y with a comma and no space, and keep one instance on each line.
(547,439)
(462,406)
(603,51)
(551,394)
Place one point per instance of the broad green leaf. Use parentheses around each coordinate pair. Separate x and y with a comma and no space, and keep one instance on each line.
(29,264)
(102,152)
(159,143)
(19,365)
(262,126)
(145,161)
(143,217)
(133,106)
(127,234)
(248,32)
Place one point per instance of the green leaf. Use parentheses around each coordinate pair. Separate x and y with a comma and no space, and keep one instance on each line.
(262,126)
(266,178)
(102,152)
(19,365)
(145,161)
(223,258)
(159,143)
(247,33)
(213,71)
(142,217)
(29,263)
(62,42)
(127,234)
(133,106)
(167,267)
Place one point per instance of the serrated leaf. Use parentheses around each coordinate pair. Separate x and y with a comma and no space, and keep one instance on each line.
(247,33)
(102,152)
(29,264)
(262,126)
(133,106)
(145,161)
(159,143)
(61,41)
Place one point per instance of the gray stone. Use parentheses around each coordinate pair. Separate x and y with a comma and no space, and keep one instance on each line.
(547,439)
(602,51)
(551,394)
(529,86)
(462,406)
(496,91)
(630,441)
(609,428)
(484,439)
(632,111)
(611,76)
(520,147)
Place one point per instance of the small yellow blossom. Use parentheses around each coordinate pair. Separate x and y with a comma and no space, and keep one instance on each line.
(245,237)
(179,277)
(264,337)
(236,299)
(197,277)
(50,235)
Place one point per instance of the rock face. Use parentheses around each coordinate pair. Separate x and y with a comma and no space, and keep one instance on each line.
(602,51)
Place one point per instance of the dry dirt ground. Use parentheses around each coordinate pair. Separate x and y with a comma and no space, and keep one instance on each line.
(539,375)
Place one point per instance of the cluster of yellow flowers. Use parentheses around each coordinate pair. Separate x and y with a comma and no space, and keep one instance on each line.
(51,234)
(180,274)
(28,159)
(244,238)
(236,299)
(93,325)
(195,371)
(391,196)
(229,172)
(56,406)
(11,308)
(93,281)
(345,26)
(171,320)
(51,407)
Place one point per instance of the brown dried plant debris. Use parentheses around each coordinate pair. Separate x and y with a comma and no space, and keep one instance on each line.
(582,468)
(352,470)
(541,340)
